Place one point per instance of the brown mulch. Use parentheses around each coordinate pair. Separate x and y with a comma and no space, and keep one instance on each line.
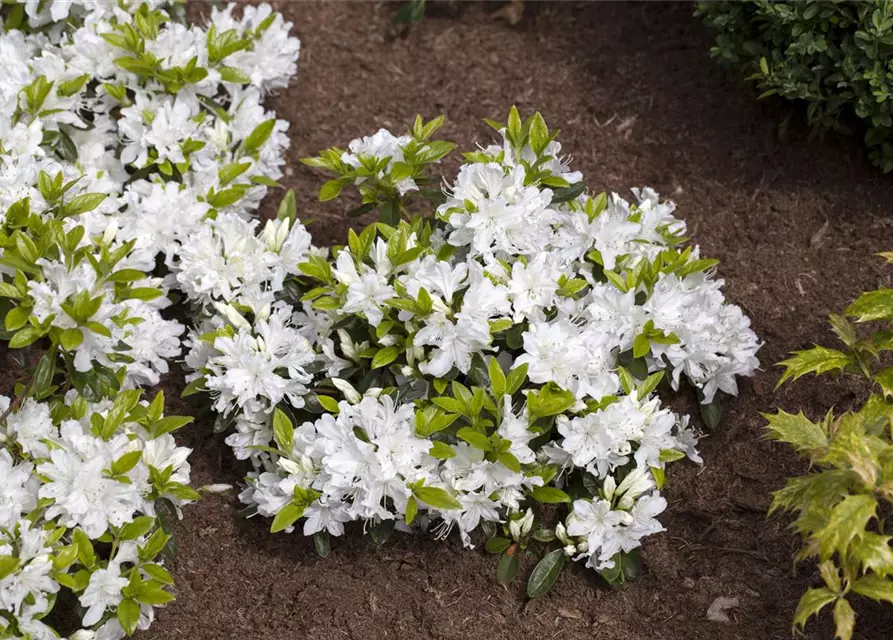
(795,223)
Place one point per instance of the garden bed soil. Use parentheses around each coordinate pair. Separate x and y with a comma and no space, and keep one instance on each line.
(795,223)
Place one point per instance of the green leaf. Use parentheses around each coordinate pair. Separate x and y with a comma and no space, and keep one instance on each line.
(328,403)
(515,379)
(711,413)
(128,615)
(330,190)
(549,495)
(844,619)
(234,75)
(441,450)
(873,305)
(16,318)
(546,573)
(813,601)
(873,552)
(126,275)
(140,526)
(816,360)
(286,517)
(83,203)
(288,208)
(539,134)
(382,532)
(568,193)
(259,135)
(384,357)
(627,567)
(153,595)
(412,509)
(497,379)
(158,573)
(797,430)
(649,385)
(71,339)
(126,462)
(848,519)
(24,337)
(509,461)
(875,587)
(509,563)
(670,455)
(497,544)
(475,438)
(437,498)
(322,543)
(884,379)
(170,424)
(283,430)
(8,564)
(641,346)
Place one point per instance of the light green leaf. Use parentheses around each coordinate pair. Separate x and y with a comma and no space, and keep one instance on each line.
(797,430)
(848,519)
(384,357)
(441,450)
(875,587)
(549,495)
(286,517)
(816,360)
(872,305)
(844,619)
(437,498)
(813,601)
(283,430)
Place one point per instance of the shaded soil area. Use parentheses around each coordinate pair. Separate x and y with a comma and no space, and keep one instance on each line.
(794,222)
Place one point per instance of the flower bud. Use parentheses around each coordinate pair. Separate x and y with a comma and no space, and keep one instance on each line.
(527,523)
(561,533)
(515,529)
(231,315)
(217,488)
(570,550)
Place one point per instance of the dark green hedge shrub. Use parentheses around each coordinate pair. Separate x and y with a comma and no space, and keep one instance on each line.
(836,56)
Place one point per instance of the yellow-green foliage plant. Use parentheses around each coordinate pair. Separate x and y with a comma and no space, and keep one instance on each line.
(844,504)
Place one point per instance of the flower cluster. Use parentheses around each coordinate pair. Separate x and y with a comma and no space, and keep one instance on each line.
(79,476)
(114,117)
(464,370)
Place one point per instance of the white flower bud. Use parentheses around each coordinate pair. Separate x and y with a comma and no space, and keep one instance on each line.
(110,232)
(527,523)
(515,529)
(561,533)
(609,487)
(583,546)
(570,550)
(350,394)
(231,315)
(217,488)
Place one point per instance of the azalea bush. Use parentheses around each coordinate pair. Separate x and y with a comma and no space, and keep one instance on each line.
(123,133)
(844,504)
(487,358)
(832,56)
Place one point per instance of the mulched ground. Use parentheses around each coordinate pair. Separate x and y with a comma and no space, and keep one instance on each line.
(795,223)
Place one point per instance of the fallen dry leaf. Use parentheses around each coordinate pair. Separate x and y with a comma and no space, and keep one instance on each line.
(716,612)
(511,12)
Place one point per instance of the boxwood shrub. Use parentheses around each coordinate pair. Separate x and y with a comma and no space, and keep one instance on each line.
(837,57)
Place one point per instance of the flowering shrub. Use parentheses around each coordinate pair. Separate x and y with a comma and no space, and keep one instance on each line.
(113,117)
(490,369)
(832,55)
(843,504)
